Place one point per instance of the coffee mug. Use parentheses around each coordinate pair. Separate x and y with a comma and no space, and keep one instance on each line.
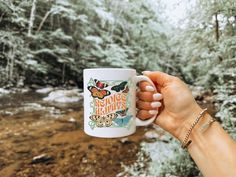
(110,102)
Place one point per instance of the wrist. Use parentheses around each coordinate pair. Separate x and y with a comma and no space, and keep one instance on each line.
(187,123)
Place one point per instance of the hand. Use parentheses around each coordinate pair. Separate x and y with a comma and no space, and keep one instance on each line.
(178,109)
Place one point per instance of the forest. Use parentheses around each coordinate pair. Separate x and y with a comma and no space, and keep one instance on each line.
(48,43)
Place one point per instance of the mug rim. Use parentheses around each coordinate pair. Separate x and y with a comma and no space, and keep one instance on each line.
(109,69)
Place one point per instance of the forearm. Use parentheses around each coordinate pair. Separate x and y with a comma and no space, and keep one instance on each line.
(213,150)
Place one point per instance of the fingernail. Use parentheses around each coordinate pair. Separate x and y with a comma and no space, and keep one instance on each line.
(153,112)
(157,96)
(146,72)
(155,104)
(149,88)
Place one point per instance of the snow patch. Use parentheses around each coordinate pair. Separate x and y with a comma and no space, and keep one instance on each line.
(94,39)
(31,62)
(158,152)
(64,96)
(4,91)
(44,90)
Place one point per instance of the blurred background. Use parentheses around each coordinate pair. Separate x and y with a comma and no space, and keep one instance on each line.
(45,45)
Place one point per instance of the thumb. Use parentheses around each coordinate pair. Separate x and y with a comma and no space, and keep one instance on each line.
(158,77)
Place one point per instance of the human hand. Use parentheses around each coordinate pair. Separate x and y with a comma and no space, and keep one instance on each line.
(178,109)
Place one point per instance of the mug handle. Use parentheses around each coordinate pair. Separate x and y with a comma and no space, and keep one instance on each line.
(139,122)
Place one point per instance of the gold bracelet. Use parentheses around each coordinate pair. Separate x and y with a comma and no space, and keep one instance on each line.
(186,143)
(205,126)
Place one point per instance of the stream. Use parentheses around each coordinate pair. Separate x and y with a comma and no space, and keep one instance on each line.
(39,138)
(45,139)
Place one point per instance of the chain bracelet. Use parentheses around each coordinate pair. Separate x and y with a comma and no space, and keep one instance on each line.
(185,143)
(206,125)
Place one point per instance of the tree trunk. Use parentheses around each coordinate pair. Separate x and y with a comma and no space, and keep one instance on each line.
(8,68)
(63,72)
(32,17)
(217,34)
(10,65)
(44,19)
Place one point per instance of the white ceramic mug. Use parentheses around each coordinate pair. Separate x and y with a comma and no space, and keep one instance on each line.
(110,102)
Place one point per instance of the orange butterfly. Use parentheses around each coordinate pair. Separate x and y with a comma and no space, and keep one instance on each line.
(100,84)
(98,93)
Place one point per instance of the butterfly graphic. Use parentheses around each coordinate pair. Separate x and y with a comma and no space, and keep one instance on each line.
(123,112)
(121,122)
(126,90)
(103,121)
(98,93)
(119,87)
(100,84)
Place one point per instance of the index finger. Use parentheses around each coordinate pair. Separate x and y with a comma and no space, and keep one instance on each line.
(158,77)
(143,85)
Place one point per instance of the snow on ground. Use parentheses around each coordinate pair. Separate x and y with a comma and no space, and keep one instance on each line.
(45,90)
(64,96)
(158,151)
(13,91)
(4,91)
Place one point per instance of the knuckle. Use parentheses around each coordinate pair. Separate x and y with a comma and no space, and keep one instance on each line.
(140,94)
(139,102)
(143,83)
(177,79)
(147,96)
(140,115)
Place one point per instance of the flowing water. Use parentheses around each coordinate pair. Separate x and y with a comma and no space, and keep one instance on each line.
(39,138)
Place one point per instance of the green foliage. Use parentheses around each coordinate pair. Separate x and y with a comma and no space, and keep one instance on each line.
(208,49)
(225,89)
(68,36)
